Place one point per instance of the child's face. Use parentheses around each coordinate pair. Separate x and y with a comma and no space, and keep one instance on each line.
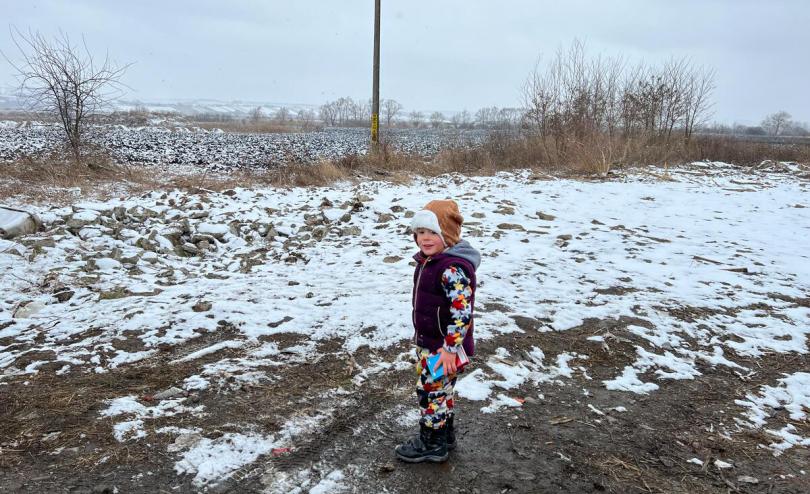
(429,243)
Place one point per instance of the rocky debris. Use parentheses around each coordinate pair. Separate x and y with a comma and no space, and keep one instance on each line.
(16,222)
(545,217)
(350,231)
(63,295)
(511,226)
(391,259)
(202,306)
(27,309)
(385,217)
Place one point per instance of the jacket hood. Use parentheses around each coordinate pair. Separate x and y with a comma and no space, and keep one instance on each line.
(463,249)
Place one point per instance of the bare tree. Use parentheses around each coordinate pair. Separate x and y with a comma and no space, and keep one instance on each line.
(436,119)
(256,115)
(416,118)
(461,120)
(390,109)
(306,118)
(63,79)
(776,122)
(329,113)
(282,115)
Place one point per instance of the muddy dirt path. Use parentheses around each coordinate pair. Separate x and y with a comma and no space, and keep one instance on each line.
(570,435)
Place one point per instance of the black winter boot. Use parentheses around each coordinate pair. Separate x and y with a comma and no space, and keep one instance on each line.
(429,445)
(451,434)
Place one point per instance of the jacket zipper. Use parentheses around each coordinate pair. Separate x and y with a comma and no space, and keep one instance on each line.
(439,322)
(416,296)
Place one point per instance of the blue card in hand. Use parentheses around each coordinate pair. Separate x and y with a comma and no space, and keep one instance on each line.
(432,360)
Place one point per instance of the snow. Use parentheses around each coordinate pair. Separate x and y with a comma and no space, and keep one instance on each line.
(215,459)
(791,394)
(689,315)
(331,483)
(629,381)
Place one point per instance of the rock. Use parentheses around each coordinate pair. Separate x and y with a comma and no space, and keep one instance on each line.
(319,232)
(315,219)
(190,248)
(145,244)
(545,217)
(216,230)
(202,306)
(385,217)
(64,295)
(326,203)
(28,309)
(82,219)
(16,222)
(198,215)
(477,215)
(184,442)
(409,214)
(397,209)
(119,213)
(39,242)
(199,237)
(746,479)
(203,245)
(141,213)
(346,218)
(565,237)
(174,233)
(511,226)
(350,231)
(266,230)
(391,259)
(168,393)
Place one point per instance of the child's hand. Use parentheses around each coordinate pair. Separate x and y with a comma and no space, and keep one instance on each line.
(448,360)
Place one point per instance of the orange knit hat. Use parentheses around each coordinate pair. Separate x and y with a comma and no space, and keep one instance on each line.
(449,220)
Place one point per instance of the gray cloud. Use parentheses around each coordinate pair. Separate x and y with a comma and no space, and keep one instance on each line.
(445,55)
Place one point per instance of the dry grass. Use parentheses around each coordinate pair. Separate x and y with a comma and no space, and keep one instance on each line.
(56,178)
(597,154)
(238,126)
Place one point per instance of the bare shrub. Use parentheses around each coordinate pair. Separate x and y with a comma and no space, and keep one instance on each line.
(590,112)
(64,80)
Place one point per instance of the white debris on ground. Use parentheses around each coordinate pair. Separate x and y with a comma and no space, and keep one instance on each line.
(108,284)
(180,145)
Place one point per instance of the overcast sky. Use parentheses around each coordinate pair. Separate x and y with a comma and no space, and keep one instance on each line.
(436,54)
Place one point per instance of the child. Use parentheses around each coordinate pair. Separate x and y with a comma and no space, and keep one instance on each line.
(443,301)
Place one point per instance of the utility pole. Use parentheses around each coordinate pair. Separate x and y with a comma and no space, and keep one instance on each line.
(375,97)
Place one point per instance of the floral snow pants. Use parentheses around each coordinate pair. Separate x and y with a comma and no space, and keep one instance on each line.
(435,398)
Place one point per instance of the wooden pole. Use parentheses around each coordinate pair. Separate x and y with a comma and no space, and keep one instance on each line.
(375,97)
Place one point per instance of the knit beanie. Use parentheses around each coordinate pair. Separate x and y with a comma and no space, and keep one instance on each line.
(442,217)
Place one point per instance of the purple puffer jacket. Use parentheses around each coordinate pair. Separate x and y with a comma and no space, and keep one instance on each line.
(431,309)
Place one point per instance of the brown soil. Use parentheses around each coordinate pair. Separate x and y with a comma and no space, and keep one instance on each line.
(550,444)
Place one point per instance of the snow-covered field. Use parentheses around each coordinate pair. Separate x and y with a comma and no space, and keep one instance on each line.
(183,145)
(712,267)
